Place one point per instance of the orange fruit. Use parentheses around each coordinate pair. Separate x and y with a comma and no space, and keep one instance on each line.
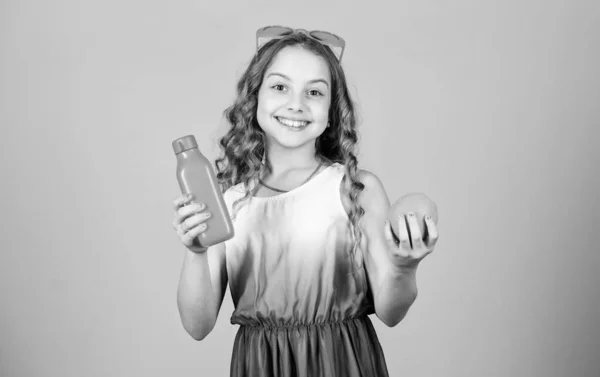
(418,203)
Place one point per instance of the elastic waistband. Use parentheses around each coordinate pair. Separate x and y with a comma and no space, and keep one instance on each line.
(255,324)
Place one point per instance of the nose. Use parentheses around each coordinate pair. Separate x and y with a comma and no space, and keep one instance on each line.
(296,102)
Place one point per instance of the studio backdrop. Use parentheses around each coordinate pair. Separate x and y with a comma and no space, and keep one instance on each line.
(490,108)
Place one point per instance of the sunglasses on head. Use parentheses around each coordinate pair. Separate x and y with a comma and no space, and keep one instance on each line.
(263,35)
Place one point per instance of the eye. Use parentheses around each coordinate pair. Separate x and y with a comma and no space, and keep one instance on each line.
(315,93)
(278,87)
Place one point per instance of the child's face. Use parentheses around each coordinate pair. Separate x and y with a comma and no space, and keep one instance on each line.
(294,98)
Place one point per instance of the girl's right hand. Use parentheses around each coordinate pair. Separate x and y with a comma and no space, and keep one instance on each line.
(189,222)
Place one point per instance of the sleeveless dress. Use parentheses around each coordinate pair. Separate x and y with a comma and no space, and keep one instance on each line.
(300,299)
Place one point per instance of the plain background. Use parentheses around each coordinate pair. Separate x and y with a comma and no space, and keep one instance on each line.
(490,108)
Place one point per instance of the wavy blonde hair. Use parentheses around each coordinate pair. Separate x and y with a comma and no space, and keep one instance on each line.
(243,146)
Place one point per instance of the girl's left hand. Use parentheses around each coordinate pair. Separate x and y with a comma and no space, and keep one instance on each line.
(410,249)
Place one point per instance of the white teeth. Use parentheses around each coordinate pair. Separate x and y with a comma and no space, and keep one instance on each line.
(292,123)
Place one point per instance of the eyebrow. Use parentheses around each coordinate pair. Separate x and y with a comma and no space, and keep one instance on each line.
(287,78)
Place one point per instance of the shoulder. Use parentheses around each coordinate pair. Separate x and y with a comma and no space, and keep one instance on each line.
(372,184)
(372,197)
(369,179)
(234,193)
(373,193)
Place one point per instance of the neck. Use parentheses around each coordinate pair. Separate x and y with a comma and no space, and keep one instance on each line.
(283,160)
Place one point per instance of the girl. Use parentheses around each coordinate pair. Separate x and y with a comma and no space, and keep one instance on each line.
(313,255)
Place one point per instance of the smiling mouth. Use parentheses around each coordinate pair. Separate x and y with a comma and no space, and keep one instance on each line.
(292,123)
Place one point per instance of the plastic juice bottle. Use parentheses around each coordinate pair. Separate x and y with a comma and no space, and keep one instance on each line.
(197,177)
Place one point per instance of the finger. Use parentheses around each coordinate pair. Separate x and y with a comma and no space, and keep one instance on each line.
(403,235)
(181,200)
(190,210)
(189,236)
(194,221)
(184,212)
(389,237)
(415,231)
(432,233)
(176,222)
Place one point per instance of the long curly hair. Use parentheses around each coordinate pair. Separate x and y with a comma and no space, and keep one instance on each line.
(243,146)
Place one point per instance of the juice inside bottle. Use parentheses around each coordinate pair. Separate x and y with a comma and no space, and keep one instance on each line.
(197,177)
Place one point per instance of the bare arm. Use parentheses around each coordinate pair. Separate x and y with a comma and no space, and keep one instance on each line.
(203,277)
(201,290)
(394,289)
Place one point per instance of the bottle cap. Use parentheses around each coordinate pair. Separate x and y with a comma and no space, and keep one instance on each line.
(184,143)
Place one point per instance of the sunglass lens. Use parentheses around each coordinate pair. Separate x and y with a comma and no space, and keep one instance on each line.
(275,31)
(326,37)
